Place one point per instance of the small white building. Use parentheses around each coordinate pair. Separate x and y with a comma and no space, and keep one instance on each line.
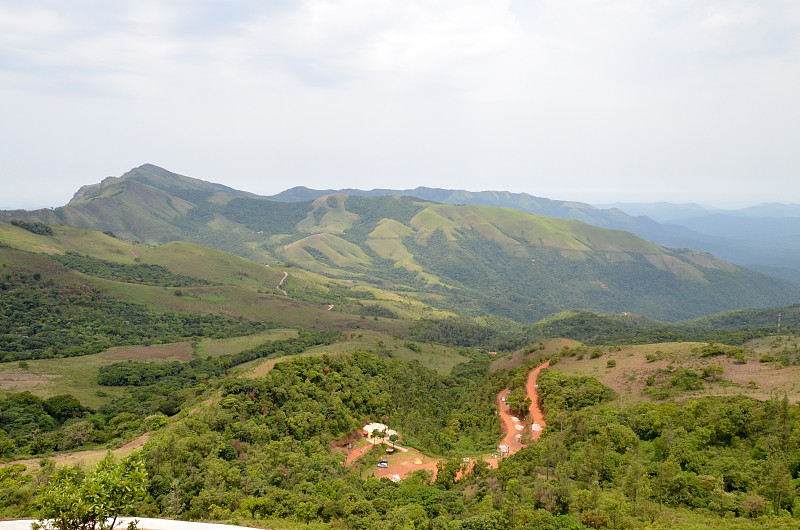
(385,431)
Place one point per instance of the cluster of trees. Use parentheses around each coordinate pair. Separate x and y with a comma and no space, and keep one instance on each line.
(37,228)
(29,423)
(606,464)
(589,328)
(600,465)
(124,272)
(263,451)
(44,318)
(593,328)
(467,332)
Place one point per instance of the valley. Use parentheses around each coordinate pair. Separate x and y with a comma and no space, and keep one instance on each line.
(234,345)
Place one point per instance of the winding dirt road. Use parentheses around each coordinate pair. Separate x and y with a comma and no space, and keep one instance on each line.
(401,465)
(285,275)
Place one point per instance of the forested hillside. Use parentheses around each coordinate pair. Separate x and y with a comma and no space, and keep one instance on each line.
(242,387)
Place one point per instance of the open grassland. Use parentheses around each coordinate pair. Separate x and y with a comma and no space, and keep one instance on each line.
(52,377)
(435,356)
(178,351)
(329,215)
(336,251)
(240,302)
(509,227)
(212,265)
(78,375)
(233,345)
(775,345)
(628,368)
(19,238)
(71,238)
(438,357)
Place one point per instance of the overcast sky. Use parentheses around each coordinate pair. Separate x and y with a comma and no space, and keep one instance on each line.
(590,100)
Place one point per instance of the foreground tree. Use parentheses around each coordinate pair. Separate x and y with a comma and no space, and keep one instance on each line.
(94,501)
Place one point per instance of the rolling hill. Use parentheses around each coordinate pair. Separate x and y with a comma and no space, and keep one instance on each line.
(467,259)
(758,237)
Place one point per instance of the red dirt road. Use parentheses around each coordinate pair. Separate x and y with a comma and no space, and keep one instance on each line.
(534,411)
(402,464)
(513,434)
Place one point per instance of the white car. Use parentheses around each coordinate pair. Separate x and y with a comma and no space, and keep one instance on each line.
(383,463)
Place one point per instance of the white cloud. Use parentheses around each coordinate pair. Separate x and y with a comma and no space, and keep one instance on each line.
(20,25)
(550,97)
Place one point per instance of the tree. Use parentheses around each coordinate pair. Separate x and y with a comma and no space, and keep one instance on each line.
(72,501)
(306,511)
(777,484)
(393,438)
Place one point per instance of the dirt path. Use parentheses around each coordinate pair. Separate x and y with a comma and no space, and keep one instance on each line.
(403,464)
(535,412)
(285,275)
(512,426)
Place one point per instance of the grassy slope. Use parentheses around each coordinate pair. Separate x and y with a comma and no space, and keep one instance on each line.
(435,356)
(78,375)
(488,253)
(753,378)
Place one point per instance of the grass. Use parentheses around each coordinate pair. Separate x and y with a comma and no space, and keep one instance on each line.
(51,377)
(19,238)
(511,227)
(212,265)
(231,301)
(217,347)
(437,357)
(78,375)
(335,219)
(337,251)
(634,364)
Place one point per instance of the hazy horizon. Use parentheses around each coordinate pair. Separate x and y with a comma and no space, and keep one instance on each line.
(35,205)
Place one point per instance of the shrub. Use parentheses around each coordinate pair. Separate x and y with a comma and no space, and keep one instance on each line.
(71,501)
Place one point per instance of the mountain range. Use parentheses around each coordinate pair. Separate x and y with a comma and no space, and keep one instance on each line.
(761,237)
(487,254)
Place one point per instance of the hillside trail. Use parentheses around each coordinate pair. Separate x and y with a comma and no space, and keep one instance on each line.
(401,466)
(535,411)
(285,275)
